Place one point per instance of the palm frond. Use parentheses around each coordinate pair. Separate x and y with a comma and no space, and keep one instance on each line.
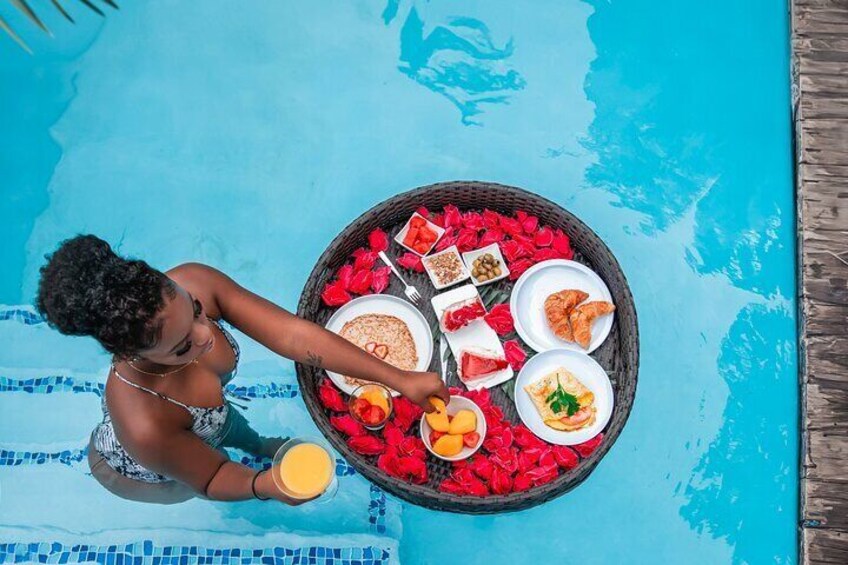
(5,27)
(24,7)
(93,7)
(29,13)
(62,11)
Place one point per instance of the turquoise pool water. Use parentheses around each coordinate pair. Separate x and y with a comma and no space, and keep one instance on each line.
(247,137)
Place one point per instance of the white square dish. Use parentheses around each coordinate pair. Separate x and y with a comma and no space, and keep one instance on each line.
(495,250)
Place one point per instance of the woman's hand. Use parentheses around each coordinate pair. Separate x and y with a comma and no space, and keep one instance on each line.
(419,387)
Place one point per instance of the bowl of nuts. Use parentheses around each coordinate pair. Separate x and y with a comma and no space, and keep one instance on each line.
(486,264)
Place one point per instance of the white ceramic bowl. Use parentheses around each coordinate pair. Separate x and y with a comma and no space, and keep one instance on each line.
(456,404)
(402,234)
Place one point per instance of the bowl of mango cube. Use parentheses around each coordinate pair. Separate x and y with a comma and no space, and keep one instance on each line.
(453,432)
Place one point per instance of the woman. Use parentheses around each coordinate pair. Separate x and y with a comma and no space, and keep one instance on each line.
(165,418)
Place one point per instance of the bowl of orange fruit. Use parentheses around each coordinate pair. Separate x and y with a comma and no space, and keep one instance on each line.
(371,406)
(453,432)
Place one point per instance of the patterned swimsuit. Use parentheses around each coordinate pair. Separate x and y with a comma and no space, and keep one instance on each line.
(209,424)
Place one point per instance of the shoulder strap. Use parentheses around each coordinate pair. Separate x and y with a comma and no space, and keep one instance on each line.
(145,389)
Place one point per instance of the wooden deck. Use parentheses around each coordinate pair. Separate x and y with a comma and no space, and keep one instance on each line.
(820,74)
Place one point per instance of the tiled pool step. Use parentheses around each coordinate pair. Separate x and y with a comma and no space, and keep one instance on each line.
(176,547)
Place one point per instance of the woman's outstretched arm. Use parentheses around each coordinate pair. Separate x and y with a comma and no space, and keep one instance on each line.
(306,342)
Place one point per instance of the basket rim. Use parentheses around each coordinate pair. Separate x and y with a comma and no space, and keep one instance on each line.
(421,494)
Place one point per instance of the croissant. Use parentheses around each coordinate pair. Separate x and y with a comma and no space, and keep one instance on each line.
(582,317)
(558,306)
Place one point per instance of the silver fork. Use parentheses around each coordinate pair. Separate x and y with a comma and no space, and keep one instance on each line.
(410,291)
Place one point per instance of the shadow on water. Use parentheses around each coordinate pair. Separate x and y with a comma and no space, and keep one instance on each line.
(739,490)
(678,121)
(683,124)
(458,60)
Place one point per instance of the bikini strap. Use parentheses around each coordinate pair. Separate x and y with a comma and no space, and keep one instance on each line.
(145,389)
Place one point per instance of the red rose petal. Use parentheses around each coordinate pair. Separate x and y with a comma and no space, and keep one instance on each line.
(565,457)
(530,224)
(494,416)
(562,244)
(448,239)
(517,268)
(378,240)
(513,250)
(547,459)
(330,397)
(438,219)
(450,486)
(453,217)
(544,237)
(515,354)
(334,294)
(366,445)
(405,413)
(423,211)
(525,438)
(381,279)
(413,447)
(501,482)
(500,319)
(344,275)
(490,236)
(466,240)
(411,261)
(545,254)
(506,459)
(347,425)
(361,282)
(412,469)
(481,466)
(511,226)
(364,261)
(521,483)
(586,448)
(393,435)
(473,220)
(491,219)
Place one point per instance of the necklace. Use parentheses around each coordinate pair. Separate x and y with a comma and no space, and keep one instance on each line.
(166,373)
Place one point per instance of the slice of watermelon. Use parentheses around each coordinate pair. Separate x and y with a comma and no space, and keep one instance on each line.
(461,314)
(479,364)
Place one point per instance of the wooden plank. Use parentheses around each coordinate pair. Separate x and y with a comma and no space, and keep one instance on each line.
(820,101)
(825,546)
(824,504)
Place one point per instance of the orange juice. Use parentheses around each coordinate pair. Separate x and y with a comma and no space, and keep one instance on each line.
(306,470)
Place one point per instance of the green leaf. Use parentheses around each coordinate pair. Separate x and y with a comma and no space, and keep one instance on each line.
(29,13)
(17,38)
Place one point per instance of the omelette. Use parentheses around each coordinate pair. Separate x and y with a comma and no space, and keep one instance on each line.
(542,391)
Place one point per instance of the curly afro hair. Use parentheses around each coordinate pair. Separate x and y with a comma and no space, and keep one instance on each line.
(87,289)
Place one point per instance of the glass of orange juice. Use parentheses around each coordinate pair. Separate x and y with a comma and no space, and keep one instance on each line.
(305,469)
(371,405)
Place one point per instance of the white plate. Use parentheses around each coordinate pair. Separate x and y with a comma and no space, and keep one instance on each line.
(540,281)
(390,306)
(463,275)
(587,372)
(456,404)
(495,250)
(476,334)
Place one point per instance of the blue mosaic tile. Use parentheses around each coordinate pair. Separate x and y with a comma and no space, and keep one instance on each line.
(148,553)
(27,317)
(12,458)
(377,510)
(50,384)
(61,383)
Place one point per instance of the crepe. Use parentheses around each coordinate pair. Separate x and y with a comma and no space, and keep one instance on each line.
(372,331)
(540,390)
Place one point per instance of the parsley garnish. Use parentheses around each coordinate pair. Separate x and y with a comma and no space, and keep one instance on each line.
(561,401)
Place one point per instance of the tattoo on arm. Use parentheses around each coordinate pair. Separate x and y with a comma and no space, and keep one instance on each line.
(314,359)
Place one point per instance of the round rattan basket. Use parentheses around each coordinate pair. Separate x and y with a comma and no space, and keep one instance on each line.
(619,354)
